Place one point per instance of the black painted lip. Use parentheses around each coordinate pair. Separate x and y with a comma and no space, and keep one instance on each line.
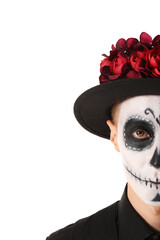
(144,180)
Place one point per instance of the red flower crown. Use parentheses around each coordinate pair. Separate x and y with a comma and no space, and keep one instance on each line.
(132,59)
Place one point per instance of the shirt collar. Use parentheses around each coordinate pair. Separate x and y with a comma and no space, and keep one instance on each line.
(131,225)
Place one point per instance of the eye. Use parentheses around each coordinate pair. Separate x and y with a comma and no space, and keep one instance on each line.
(140,134)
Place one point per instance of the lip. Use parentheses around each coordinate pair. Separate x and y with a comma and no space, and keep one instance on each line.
(146,181)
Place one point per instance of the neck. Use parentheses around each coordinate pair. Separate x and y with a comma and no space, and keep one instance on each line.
(151,214)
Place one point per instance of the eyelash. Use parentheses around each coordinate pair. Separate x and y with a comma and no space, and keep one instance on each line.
(144,131)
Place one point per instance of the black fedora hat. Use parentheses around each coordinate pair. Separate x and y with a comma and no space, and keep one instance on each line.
(93,107)
(132,69)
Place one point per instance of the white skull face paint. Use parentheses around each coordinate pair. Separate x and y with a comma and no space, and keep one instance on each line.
(139,144)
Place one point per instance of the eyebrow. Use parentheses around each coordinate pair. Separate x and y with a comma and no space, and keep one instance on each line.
(149,110)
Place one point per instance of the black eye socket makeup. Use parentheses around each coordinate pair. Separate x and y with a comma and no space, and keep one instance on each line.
(134,123)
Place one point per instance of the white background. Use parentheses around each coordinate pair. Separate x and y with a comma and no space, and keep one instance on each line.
(52,171)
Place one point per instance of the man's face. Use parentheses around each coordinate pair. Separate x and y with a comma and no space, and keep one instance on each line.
(139,143)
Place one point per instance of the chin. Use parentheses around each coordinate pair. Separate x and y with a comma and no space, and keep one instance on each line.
(147,191)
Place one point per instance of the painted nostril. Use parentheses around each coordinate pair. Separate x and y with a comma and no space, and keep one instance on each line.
(155,161)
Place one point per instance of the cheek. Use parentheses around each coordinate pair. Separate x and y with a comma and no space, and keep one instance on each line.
(134,160)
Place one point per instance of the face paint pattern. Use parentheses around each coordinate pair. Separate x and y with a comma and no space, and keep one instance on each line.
(131,125)
(139,144)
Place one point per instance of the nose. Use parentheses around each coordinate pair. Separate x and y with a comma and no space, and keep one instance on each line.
(155,161)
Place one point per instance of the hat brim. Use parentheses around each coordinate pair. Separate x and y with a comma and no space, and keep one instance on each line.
(92,108)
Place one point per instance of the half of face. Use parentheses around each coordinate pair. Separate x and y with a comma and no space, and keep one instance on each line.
(139,144)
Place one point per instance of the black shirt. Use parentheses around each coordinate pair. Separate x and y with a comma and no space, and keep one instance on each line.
(130,224)
(118,221)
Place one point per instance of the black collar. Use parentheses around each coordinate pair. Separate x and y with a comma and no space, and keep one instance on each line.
(131,225)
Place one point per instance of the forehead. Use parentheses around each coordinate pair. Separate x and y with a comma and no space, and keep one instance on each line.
(138,105)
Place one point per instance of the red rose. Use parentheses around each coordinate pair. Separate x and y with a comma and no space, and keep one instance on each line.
(105,62)
(137,60)
(153,60)
(133,74)
(117,64)
(112,69)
